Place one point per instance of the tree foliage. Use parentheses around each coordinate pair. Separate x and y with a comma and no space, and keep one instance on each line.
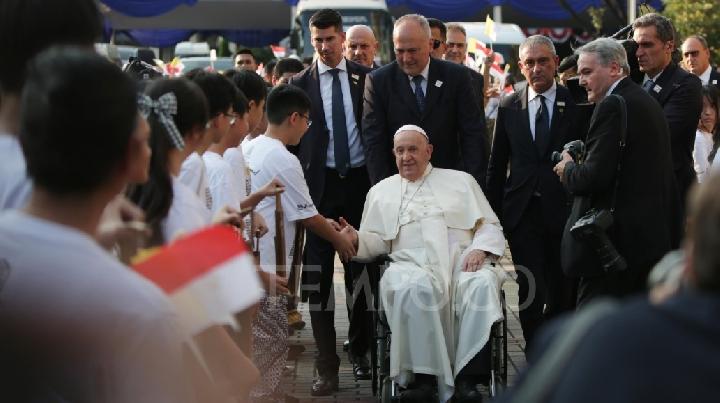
(696,17)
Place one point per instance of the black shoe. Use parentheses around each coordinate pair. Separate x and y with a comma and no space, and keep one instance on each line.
(361,368)
(419,394)
(466,390)
(325,385)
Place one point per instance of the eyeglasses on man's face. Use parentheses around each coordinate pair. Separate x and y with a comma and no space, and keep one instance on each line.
(307,117)
(231,116)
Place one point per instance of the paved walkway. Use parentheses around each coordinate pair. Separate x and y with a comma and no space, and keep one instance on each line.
(299,380)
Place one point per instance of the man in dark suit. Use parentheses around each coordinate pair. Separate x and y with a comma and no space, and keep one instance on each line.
(532,205)
(333,160)
(648,351)
(361,45)
(696,58)
(433,94)
(645,221)
(456,52)
(677,91)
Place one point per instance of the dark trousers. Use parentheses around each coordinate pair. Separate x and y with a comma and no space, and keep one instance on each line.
(343,197)
(618,285)
(478,366)
(544,291)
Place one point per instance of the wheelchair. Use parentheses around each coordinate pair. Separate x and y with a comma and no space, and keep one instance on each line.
(383,387)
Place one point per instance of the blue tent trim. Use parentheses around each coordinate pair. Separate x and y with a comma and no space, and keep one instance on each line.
(145,8)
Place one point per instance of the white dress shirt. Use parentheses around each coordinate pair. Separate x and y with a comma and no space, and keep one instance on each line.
(534,104)
(705,76)
(357,155)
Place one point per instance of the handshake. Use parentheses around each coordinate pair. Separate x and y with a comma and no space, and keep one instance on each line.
(344,238)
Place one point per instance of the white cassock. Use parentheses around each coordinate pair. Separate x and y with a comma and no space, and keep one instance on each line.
(440,316)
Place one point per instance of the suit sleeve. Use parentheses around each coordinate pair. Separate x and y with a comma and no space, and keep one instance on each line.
(682,111)
(375,134)
(497,167)
(597,173)
(473,130)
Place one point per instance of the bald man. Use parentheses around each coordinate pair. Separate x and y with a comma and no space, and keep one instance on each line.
(361,45)
(434,94)
(696,60)
(441,293)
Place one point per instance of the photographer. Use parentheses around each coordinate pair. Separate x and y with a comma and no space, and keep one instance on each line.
(640,194)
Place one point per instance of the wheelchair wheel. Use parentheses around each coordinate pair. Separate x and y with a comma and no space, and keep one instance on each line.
(498,365)
(388,392)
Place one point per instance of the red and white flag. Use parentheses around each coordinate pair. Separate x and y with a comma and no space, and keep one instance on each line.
(209,275)
(278,51)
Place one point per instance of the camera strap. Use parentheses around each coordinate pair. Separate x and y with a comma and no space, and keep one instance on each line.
(621,145)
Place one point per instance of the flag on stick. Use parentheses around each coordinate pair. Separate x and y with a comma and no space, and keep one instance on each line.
(490,28)
(209,275)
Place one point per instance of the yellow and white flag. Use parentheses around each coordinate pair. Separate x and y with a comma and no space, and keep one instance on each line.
(490,28)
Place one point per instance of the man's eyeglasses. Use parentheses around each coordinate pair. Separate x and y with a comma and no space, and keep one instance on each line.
(231,116)
(307,117)
(436,43)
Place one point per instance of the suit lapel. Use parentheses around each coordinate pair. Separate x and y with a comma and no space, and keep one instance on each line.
(524,117)
(665,83)
(406,93)
(434,85)
(562,102)
(315,97)
(356,90)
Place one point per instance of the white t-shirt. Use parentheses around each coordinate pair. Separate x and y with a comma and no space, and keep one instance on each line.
(224,185)
(235,157)
(112,335)
(187,213)
(15,186)
(193,173)
(703,148)
(247,144)
(270,159)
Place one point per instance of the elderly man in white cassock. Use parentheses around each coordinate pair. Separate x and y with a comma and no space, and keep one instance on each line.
(441,293)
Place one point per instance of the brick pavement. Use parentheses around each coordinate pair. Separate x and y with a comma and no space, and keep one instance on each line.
(299,380)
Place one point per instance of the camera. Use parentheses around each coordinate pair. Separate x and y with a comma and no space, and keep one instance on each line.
(591,228)
(575,148)
(141,70)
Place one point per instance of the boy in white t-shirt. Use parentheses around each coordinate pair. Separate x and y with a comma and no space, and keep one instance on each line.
(287,111)
(75,324)
(220,95)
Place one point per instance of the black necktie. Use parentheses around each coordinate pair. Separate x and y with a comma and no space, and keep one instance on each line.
(419,94)
(340,133)
(647,85)
(542,126)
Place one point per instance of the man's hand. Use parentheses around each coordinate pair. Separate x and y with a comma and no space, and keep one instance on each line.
(333,224)
(560,167)
(474,260)
(273,284)
(260,227)
(271,188)
(122,222)
(346,245)
(230,216)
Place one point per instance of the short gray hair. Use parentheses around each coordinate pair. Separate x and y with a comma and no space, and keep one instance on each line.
(415,18)
(663,26)
(453,26)
(538,40)
(607,51)
(700,39)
